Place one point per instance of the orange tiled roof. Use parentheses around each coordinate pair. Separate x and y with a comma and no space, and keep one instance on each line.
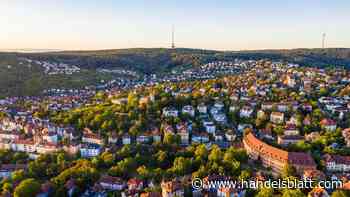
(294,158)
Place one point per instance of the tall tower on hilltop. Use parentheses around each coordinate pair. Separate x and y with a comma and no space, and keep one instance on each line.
(323,40)
(172,37)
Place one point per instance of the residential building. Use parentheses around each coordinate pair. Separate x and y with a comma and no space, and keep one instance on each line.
(113,137)
(135,184)
(276,158)
(172,188)
(291,129)
(112,183)
(246,112)
(90,150)
(188,109)
(286,140)
(328,124)
(170,112)
(277,117)
(201,137)
(202,108)
(337,163)
(90,137)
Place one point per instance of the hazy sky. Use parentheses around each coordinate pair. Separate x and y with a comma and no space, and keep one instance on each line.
(212,24)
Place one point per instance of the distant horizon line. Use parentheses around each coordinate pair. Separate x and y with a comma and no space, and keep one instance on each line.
(39,50)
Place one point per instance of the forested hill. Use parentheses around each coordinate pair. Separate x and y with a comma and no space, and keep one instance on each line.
(305,57)
(154,60)
(18,77)
(144,60)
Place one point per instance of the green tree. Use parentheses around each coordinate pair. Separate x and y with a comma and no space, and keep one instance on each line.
(339,193)
(171,139)
(17,175)
(107,158)
(245,175)
(201,152)
(144,172)
(161,157)
(216,154)
(181,166)
(288,171)
(292,193)
(28,187)
(7,187)
(265,192)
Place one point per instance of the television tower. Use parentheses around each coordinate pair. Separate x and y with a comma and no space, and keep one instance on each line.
(323,40)
(172,37)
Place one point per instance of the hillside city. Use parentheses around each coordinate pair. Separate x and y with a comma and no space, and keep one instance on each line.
(152,135)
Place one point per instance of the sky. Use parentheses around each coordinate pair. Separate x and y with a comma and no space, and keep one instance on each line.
(207,24)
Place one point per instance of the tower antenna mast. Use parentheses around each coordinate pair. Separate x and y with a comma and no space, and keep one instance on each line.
(323,40)
(172,37)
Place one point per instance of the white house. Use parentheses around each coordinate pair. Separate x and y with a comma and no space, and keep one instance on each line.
(188,109)
(210,127)
(230,135)
(219,105)
(277,117)
(9,135)
(144,138)
(24,146)
(112,183)
(202,108)
(245,112)
(291,129)
(170,112)
(200,138)
(266,106)
(126,139)
(90,150)
(221,118)
(282,107)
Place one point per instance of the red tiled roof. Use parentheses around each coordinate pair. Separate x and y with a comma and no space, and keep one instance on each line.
(328,122)
(91,135)
(265,148)
(26,141)
(304,159)
(294,158)
(134,181)
(337,159)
